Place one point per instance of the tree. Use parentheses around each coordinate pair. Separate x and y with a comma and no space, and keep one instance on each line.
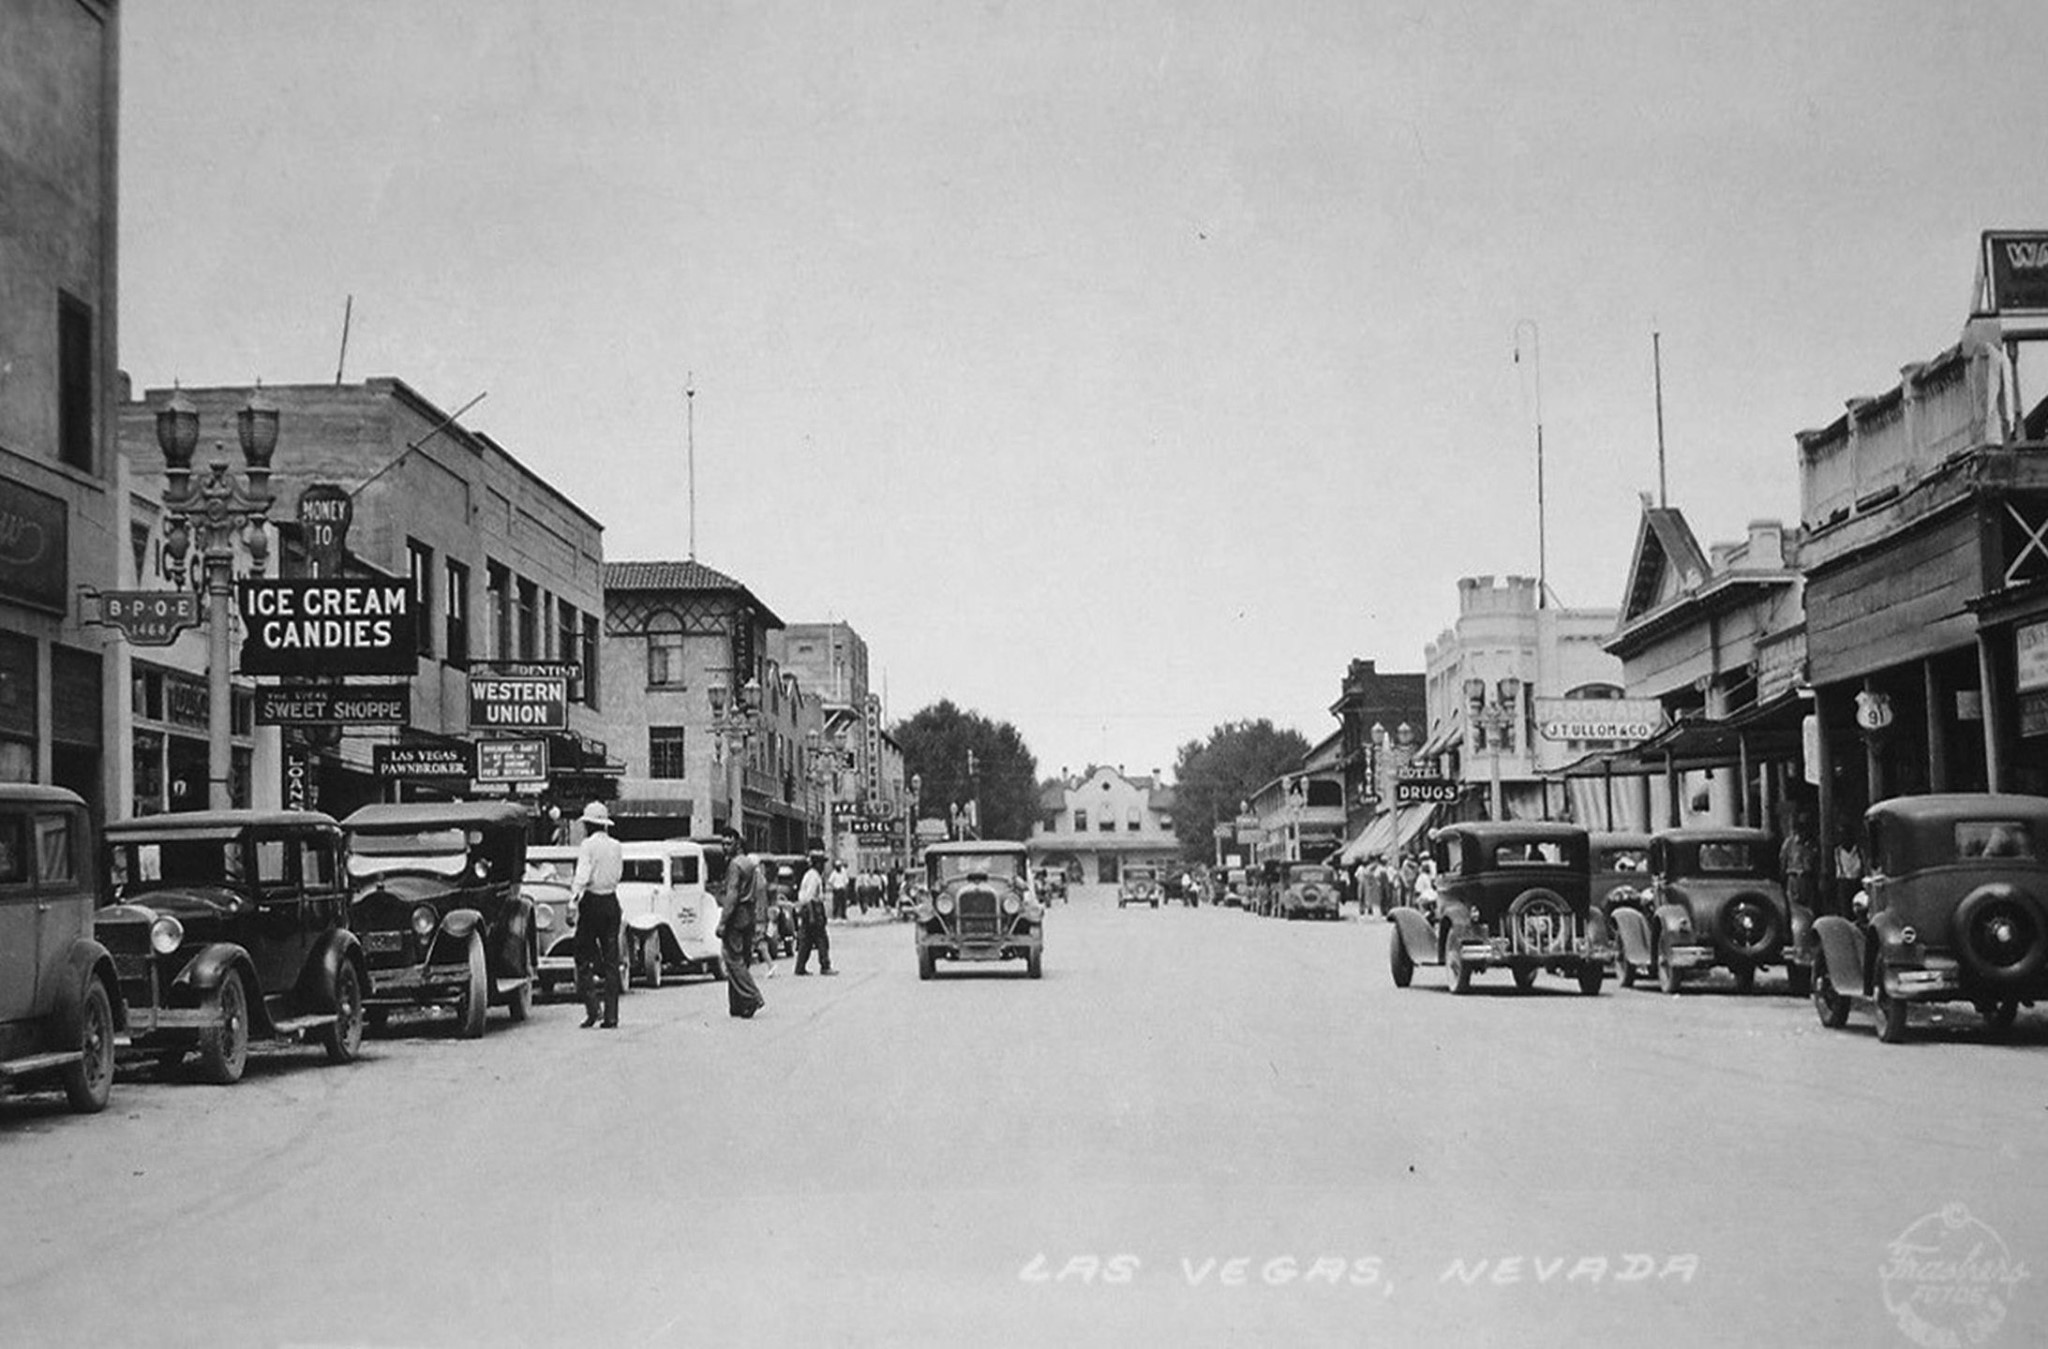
(1212,778)
(937,742)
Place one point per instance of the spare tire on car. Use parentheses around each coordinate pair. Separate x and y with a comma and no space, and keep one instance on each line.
(2001,933)
(1747,927)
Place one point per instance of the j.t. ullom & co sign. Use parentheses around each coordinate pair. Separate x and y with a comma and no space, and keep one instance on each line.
(1623,719)
(337,626)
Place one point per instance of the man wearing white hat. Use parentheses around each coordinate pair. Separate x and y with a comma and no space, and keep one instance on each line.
(594,898)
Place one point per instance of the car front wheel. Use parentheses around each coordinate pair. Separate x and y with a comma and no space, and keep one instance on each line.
(1830,1006)
(224,1045)
(476,993)
(1590,981)
(1034,965)
(1399,961)
(1999,1014)
(1460,972)
(650,959)
(1668,977)
(927,963)
(1891,1017)
(344,1039)
(89,1082)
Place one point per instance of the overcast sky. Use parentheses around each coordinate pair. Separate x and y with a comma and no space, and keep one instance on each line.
(1117,370)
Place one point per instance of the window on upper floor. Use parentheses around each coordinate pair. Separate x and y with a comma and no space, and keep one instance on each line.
(498,599)
(74,382)
(1051,824)
(456,650)
(1080,821)
(665,752)
(665,652)
(420,569)
(590,661)
(1134,820)
(529,620)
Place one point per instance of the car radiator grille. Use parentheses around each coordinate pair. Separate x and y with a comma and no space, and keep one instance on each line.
(978,914)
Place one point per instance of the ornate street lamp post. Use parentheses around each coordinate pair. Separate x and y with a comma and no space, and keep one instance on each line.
(828,761)
(733,721)
(208,516)
(1494,718)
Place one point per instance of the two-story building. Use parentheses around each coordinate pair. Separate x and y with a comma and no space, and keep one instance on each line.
(59,532)
(1093,825)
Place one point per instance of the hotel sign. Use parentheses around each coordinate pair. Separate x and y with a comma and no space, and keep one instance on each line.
(340,626)
(1624,719)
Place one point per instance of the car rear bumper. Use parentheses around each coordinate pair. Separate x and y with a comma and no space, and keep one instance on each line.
(419,983)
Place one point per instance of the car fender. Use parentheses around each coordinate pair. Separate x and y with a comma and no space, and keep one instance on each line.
(205,972)
(87,960)
(1413,931)
(1632,930)
(644,923)
(1841,945)
(459,923)
(323,969)
(1674,924)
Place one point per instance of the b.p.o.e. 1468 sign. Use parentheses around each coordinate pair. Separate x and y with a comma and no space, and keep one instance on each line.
(339,626)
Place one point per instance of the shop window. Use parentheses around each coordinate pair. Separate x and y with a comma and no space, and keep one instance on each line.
(149,772)
(665,758)
(456,648)
(74,382)
(420,567)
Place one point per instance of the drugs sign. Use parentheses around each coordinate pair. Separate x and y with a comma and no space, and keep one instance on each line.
(1424,791)
(340,626)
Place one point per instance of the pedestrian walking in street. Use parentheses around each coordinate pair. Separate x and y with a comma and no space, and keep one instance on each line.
(1800,859)
(594,899)
(746,899)
(811,933)
(842,886)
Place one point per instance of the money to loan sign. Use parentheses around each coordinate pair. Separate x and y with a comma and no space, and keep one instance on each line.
(338,626)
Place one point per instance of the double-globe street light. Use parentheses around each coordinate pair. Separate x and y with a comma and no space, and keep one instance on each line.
(734,720)
(210,515)
(828,759)
(1494,718)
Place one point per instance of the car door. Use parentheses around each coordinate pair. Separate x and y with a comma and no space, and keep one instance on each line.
(279,926)
(19,926)
(63,893)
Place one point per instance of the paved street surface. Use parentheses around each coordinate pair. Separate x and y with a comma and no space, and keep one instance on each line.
(1199,1128)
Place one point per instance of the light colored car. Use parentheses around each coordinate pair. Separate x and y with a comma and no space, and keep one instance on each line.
(550,870)
(667,914)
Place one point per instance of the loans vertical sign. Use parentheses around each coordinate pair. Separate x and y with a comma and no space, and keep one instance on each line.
(337,626)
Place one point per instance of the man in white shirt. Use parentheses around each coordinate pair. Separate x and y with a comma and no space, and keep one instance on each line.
(810,919)
(594,896)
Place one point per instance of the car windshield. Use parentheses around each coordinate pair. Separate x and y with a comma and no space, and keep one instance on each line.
(1994,838)
(1536,854)
(444,852)
(1623,859)
(149,866)
(1312,875)
(646,870)
(560,870)
(1727,857)
(952,866)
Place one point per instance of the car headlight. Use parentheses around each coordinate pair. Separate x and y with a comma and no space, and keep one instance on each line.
(424,921)
(944,904)
(166,934)
(482,868)
(543,917)
(1012,904)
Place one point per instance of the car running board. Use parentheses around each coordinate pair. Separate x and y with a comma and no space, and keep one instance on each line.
(41,1063)
(298,1027)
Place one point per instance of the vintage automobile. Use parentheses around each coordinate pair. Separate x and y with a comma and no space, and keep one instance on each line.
(60,1000)
(979,906)
(549,882)
(1139,884)
(439,907)
(782,873)
(1309,890)
(230,927)
(1234,886)
(1954,909)
(668,919)
(1513,895)
(1621,871)
(1714,900)
(1050,883)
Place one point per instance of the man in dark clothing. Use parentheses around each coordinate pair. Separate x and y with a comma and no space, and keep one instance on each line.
(811,934)
(745,900)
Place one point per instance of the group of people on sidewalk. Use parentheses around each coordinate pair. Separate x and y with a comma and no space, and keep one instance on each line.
(599,864)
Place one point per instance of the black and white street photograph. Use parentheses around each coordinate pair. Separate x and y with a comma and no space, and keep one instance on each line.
(1367,673)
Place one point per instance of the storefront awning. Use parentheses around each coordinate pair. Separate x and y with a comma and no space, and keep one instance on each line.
(1372,840)
(1452,733)
(1414,819)
(651,807)
(1766,731)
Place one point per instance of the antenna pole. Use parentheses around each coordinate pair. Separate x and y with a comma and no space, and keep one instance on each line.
(1542,522)
(1657,365)
(348,309)
(690,407)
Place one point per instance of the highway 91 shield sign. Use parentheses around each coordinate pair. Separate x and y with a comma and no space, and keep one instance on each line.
(336,626)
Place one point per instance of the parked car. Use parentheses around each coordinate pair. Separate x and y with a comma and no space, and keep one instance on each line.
(1050,882)
(1621,871)
(782,873)
(60,999)
(439,907)
(979,906)
(230,927)
(669,921)
(1234,888)
(1139,884)
(1309,890)
(1513,895)
(549,881)
(1955,909)
(1714,900)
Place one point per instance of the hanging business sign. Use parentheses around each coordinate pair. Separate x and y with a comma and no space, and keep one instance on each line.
(424,761)
(335,626)
(2030,657)
(148,617)
(1624,719)
(1420,791)
(325,510)
(569,671)
(518,702)
(2014,268)
(389,705)
(301,785)
(501,761)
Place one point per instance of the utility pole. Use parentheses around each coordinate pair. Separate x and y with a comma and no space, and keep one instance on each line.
(1542,530)
(1657,367)
(690,422)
